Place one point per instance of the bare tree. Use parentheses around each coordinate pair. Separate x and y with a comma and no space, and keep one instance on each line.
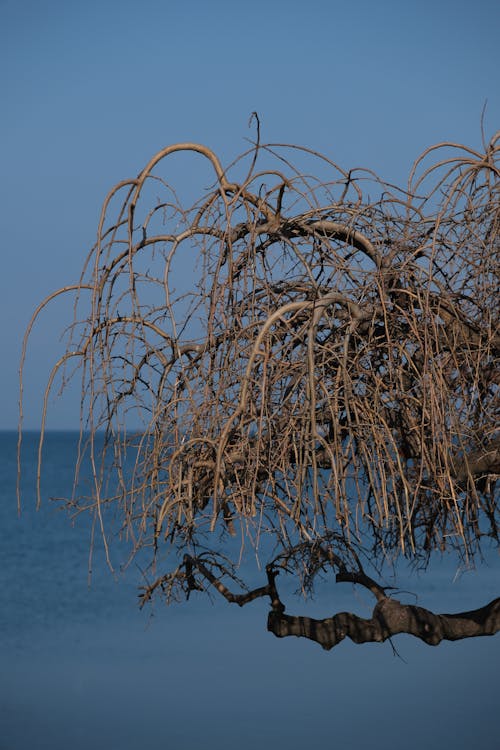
(311,356)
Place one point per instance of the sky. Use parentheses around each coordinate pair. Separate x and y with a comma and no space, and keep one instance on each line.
(90,91)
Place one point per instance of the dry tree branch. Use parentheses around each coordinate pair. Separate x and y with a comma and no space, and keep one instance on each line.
(329,365)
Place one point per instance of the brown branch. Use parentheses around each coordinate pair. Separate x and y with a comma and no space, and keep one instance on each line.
(345,576)
(240,599)
(389,618)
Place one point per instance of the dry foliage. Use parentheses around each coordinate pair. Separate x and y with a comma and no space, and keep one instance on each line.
(311,356)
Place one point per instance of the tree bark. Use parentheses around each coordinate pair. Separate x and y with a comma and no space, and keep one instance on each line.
(389,618)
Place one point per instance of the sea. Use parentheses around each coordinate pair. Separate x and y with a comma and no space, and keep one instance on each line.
(82,666)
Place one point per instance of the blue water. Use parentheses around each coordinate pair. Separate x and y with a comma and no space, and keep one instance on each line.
(82,667)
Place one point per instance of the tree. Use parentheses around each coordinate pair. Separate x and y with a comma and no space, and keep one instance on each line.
(312,357)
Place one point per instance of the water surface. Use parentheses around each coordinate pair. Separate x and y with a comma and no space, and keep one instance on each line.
(82,667)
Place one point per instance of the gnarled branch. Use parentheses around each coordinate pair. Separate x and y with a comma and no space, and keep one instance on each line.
(389,618)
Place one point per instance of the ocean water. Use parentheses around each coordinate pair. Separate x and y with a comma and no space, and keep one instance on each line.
(82,667)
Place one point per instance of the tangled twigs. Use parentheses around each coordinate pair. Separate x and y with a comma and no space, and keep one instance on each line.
(295,360)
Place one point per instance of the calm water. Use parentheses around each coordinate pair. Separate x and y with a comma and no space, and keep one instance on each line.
(82,667)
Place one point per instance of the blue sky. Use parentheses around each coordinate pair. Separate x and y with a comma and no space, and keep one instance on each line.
(91,90)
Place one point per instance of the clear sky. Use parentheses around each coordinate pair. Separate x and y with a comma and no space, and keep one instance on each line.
(90,90)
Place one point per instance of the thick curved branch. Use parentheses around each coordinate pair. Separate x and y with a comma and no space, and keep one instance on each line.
(389,618)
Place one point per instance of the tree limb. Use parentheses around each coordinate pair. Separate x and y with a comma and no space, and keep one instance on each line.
(389,618)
